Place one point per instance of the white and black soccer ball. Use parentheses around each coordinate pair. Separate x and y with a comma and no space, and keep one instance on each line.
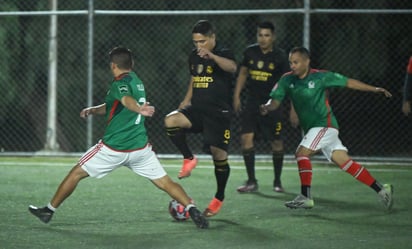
(178,211)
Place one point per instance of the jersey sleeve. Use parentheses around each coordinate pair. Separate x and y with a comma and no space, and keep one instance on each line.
(279,90)
(120,89)
(332,79)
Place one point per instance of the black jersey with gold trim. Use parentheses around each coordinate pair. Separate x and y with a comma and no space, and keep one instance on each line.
(264,69)
(211,84)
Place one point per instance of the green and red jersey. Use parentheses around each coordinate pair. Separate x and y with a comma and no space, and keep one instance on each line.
(310,97)
(125,130)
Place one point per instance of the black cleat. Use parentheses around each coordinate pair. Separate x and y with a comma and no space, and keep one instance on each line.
(44,214)
(198,218)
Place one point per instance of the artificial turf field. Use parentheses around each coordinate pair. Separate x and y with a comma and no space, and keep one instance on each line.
(123,210)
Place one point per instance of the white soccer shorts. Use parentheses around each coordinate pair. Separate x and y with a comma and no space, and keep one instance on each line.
(100,160)
(325,139)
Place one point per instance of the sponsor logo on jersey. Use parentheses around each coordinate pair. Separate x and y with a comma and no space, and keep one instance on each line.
(199,68)
(140,87)
(271,66)
(260,64)
(259,75)
(209,70)
(202,81)
(123,89)
(311,84)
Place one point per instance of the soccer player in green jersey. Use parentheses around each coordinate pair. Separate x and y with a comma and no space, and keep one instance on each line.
(307,89)
(124,142)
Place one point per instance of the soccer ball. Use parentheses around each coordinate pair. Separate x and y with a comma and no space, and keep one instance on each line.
(178,211)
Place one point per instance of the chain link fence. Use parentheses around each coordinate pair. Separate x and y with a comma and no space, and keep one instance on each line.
(370,40)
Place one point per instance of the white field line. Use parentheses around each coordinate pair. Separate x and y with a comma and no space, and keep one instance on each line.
(167,165)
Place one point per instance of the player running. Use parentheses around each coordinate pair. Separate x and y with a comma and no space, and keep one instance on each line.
(307,89)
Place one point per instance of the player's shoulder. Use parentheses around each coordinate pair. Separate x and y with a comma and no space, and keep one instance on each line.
(252,47)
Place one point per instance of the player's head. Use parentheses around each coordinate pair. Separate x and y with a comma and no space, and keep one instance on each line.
(203,35)
(299,61)
(122,58)
(265,35)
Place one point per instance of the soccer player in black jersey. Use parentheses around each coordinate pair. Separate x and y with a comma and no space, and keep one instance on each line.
(206,108)
(262,66)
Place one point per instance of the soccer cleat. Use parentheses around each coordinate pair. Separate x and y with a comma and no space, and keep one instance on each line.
(44,214)
(198,218)
(213,208)
(187,167)
(249,186)
(385,196)
(300,202)
(278,189)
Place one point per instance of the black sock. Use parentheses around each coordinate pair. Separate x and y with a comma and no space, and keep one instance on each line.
(277,158)
(178,137)
(376,186)
(305,190)
(249,158)
(222,172)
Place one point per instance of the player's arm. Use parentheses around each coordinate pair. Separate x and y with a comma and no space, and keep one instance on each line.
(188,97)
(240,84)
(93,110)
(224,63)
(271,105)
(131,104)
(360,86)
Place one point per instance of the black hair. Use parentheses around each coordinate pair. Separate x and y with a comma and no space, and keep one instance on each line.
(267,25)
(301,50)
(122,57)
(203,27)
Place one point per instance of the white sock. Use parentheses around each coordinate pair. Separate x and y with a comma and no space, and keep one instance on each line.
(189,206)
(49,206)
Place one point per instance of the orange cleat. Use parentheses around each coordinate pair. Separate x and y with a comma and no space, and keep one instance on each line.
(213,208)
(187,167)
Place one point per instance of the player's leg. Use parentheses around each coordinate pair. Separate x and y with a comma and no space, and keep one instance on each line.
(217,134)
(65,189)
(248,152)
(93,163)
(177,124)
(277,159)
(144,162)
(248,124)
(222,172)
(175,191)
(272,128)
(360,173)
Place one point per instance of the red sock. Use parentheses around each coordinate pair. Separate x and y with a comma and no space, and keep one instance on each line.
(358,171)
(305,170)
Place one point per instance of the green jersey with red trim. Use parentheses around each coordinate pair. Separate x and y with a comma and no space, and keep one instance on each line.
(310,97)
(125,129)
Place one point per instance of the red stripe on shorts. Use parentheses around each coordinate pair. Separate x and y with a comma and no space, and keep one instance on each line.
(317,139)
(90,154)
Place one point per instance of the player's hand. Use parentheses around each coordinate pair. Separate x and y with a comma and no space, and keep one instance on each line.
(263,110)
(85,112)
(205,53)
(147,110)
(384,91)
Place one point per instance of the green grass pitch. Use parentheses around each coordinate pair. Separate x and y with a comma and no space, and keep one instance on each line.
(123,210)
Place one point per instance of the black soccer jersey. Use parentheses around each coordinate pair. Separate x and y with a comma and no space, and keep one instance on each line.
(211,85)
(264,69)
